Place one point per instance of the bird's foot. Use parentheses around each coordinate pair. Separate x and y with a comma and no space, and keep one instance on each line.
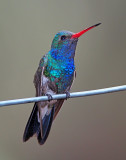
(50,98)
(50,101)
(67,95)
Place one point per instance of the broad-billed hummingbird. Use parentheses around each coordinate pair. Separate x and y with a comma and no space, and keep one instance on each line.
(54,75)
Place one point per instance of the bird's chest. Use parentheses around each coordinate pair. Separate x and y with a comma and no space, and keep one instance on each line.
(62,75)
(60,71)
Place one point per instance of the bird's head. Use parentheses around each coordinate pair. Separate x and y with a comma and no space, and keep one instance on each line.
(64,43)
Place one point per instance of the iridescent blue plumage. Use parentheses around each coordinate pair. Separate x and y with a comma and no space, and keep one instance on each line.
(54,75)
(62,69)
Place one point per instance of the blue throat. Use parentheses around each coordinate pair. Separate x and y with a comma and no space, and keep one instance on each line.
(66,60)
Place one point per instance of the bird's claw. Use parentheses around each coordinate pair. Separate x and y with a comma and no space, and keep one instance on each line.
(67,95)
(49,97)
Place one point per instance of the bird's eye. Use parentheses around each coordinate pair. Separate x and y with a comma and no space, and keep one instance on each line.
(63,37)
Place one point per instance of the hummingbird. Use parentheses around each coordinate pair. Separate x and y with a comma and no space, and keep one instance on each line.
(55,75)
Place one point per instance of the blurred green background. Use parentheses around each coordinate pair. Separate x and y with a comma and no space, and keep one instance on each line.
(90,128)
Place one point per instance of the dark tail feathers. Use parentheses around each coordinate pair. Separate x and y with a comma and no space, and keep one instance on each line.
(33,126)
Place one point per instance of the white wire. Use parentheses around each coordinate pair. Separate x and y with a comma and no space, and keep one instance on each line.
(63,96)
